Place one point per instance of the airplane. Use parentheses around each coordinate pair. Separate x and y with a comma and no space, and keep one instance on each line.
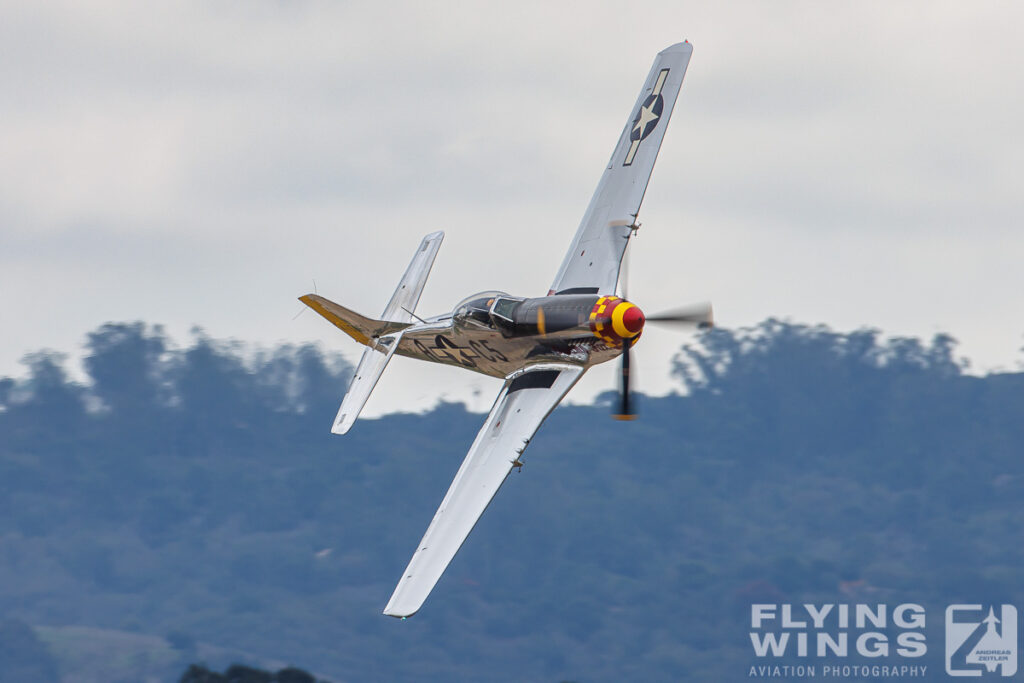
(540,346)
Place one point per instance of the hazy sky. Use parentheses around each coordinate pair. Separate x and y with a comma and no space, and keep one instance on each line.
(853,164)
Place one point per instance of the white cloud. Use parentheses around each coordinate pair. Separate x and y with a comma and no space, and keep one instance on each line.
(197,163)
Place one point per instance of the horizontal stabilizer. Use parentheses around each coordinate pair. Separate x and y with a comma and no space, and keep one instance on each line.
(379,336)
(407,294)
(371,367)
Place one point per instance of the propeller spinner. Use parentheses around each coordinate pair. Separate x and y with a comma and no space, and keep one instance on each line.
(623,323)
(619,324)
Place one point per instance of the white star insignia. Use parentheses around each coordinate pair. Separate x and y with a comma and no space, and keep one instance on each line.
(646,116)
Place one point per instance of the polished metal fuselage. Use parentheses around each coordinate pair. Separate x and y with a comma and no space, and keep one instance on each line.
(453,340)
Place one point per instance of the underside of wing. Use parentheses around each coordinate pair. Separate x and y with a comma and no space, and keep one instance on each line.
(527,398)
(591,265)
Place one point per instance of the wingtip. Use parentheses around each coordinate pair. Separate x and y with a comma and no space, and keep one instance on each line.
(685,46)
(398,613)
(344,420)
(403,603)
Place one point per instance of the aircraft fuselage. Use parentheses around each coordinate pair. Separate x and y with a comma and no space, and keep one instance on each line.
(495,334)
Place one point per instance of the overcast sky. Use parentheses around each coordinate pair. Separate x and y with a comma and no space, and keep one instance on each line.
(852,164)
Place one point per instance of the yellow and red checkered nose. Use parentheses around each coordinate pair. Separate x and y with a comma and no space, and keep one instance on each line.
(613,319)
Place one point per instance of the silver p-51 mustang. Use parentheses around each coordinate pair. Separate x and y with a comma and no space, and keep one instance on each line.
(540,346)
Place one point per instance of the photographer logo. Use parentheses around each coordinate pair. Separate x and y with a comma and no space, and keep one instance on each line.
(980,641)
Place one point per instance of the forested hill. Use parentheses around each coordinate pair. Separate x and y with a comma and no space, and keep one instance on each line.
(195,499)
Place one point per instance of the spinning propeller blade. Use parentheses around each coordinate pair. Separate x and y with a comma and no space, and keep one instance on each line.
(625,408)
(700,315)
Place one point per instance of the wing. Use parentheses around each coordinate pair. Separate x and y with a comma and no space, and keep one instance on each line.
(592,263)
(527,398)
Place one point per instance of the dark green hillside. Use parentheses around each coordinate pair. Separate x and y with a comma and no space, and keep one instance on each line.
(196,497)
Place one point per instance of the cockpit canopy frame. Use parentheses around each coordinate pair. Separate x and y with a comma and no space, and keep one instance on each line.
(491,309)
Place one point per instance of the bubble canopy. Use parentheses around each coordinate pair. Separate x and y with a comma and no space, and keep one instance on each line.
(477,307)
(481,299)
